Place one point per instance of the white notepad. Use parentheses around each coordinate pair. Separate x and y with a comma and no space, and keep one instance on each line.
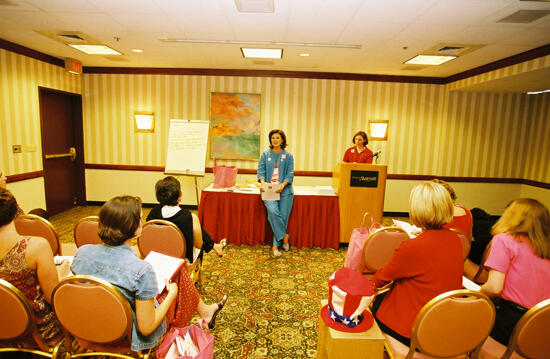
(164,267)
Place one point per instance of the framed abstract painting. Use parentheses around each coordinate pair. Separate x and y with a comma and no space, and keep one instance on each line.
(235,125)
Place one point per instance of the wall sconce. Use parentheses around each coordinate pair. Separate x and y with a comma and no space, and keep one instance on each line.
(378,130)
(144,121)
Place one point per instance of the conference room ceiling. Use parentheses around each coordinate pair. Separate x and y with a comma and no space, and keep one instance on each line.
(388,32)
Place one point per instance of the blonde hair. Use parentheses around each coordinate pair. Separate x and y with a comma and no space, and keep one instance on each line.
(430,206)
(530,218)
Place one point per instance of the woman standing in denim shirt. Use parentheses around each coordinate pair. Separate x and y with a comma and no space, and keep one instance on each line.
(277,166)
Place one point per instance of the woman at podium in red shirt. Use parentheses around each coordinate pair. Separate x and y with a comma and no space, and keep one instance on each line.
(359,153)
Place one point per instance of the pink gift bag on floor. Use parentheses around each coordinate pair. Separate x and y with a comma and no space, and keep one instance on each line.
(203,340)
(354,256)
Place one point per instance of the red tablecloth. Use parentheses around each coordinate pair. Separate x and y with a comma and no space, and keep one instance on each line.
(242,219)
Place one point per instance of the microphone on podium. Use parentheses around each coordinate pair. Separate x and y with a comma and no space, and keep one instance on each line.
(377,153)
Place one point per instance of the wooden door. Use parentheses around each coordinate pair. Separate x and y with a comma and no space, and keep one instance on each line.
(62,149)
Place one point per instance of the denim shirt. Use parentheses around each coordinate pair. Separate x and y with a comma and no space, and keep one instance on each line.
(134,277)
(285,163)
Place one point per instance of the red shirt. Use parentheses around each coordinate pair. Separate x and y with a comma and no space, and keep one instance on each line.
(352,155)
(462,223)
(421,268)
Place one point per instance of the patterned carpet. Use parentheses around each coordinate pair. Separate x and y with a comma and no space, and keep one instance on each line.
(273,304)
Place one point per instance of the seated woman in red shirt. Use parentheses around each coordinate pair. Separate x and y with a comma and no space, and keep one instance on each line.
(421,268)
(519,263)
(359,153)
(462,218)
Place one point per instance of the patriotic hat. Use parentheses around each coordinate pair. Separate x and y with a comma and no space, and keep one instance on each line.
(349,294)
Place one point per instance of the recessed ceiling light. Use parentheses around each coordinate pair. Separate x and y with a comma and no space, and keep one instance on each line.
(137,50)
(95,49)
(429,60)
(304,54)
(257,53)
(255,6)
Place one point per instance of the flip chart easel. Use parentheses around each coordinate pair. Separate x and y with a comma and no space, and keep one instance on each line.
(186,152)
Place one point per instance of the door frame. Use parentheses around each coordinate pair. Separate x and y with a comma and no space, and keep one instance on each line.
(76,105)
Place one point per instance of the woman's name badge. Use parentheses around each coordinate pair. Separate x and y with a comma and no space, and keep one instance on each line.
(269,159)
(283,157)
(353,151)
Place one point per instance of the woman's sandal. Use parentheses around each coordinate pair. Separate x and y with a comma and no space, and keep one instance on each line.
(212,322)
(223,242)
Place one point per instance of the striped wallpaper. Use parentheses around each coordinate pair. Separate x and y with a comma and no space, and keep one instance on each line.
(432,131)
(537,142)
(526,66)
(20,77)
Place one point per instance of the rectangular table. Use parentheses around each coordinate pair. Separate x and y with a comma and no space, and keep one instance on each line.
(242,218)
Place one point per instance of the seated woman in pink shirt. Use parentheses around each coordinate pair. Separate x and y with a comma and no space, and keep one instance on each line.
(519,263)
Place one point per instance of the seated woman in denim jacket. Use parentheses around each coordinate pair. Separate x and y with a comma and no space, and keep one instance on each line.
(114,261)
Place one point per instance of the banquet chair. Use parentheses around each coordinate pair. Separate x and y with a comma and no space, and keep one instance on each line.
(32,225)
(85,231)
(97,315)
(165,237)
(452,325)
(18,322)
(379,248)
(529,338)
(466,241)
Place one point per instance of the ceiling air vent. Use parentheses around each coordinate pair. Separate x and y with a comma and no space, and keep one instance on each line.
(71,37)
(524,16)
(451,49)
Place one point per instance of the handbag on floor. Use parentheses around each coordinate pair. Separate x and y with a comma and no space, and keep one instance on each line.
(354,256)
(224,176)
(191,342)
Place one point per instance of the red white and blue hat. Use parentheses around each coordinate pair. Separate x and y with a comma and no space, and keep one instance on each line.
(349,295)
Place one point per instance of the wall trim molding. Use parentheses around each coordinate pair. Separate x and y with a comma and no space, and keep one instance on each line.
(25,51)
(329,174)
(508,61)
(25,176)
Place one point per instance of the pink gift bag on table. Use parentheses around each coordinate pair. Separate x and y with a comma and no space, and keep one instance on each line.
(224,176)
(354,256)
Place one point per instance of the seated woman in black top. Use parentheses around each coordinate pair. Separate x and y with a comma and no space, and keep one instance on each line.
(168,192)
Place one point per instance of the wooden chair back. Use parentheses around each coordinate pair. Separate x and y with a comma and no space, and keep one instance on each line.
(163,237)
(93,311)
(530,335)
(85,231)
(380,246)
(18,322)
(450,325)
(32,225)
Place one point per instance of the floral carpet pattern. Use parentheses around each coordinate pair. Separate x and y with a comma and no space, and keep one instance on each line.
(273,304)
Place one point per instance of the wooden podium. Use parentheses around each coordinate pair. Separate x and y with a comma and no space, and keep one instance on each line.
(360,187)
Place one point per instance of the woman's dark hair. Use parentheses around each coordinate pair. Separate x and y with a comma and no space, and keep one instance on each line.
(119,218)
(283,136)
(362,134)
(8,207)
(168,191)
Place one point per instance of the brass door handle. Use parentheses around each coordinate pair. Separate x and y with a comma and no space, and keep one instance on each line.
(71,154)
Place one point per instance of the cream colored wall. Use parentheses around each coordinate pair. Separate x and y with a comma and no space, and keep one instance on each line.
(432,131)
(541,194)
(29,193)
(20,77)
